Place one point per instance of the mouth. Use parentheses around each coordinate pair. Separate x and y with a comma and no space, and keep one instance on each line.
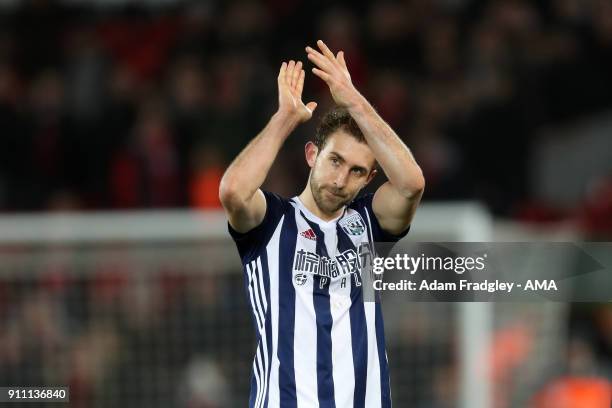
(334,194)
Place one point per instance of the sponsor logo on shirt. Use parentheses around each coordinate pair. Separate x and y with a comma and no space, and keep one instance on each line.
(349,261)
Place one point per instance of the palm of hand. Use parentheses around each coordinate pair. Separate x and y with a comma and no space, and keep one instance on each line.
(290,87)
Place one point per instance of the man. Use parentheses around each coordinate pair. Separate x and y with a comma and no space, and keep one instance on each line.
(318,343)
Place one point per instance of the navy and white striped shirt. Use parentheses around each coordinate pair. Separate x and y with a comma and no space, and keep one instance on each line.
(318,343)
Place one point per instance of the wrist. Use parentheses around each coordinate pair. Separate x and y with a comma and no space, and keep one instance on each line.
(357,105)
(286,119)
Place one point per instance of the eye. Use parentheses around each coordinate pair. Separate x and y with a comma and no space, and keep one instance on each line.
(358,172)
(335,161)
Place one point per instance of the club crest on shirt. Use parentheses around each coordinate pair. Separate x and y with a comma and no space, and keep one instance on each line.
(300,278)
(353,224)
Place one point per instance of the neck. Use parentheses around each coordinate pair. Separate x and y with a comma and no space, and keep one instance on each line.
(309,202)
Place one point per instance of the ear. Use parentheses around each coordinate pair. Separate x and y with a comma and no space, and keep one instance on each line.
(311,151)
(373,173)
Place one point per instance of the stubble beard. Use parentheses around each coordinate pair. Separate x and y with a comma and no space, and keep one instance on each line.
(327,205)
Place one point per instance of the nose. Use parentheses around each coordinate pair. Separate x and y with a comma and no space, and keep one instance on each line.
(341,179)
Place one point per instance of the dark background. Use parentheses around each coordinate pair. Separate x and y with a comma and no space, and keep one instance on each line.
(143,105)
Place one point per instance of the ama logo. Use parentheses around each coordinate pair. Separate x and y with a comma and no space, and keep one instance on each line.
(353,224)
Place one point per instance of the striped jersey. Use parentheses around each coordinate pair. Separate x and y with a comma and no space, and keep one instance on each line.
(318,343)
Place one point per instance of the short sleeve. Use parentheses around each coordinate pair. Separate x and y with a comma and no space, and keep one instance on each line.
(364,206)
(251,241)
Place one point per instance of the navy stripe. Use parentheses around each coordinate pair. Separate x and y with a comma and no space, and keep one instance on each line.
(359,332)
(366,215)
(374,254)
(268,328)
(320,297)
(385,391)
(286,312)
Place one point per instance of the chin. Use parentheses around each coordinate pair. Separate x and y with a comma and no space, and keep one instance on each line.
(335,206)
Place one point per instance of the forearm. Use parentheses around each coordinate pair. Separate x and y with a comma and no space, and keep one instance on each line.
(250,168)
(392,154)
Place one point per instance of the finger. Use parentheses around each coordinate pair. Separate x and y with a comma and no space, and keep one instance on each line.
(319,60)
(317,54)
(311,106)
(281,72)
(296,74)
(341,60)
(300,82)
(326,51)
(289,75)
(321,74)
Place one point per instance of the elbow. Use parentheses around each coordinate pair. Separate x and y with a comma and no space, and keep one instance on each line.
(414,186)
(420,183)
(229,194)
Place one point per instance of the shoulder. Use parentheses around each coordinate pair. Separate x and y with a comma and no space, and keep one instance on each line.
(251,241)
(363,205)
(362,202)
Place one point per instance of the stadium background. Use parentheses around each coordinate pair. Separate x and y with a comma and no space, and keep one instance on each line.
(115,105)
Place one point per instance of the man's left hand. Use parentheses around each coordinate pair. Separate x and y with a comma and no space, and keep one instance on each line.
(332,69)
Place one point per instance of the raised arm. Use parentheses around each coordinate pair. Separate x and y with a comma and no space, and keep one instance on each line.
(239,192)
(395,202)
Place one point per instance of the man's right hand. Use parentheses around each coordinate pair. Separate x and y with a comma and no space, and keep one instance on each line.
(239,192)
(290,86)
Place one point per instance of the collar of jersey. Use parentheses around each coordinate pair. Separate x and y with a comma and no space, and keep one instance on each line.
(313,217)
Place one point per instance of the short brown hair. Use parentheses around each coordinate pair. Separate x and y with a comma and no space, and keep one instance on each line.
(337,119)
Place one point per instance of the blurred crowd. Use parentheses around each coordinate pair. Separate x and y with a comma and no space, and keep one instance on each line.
(109,107)
(121,333)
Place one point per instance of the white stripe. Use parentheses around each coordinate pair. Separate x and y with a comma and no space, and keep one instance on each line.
(260,289)
(257,272)
(342,349)
(262,333)
(273,254)
(305,334)
(250,271)
(259,379)
(373,384)
(256,377)
(255,310)
(262,286)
